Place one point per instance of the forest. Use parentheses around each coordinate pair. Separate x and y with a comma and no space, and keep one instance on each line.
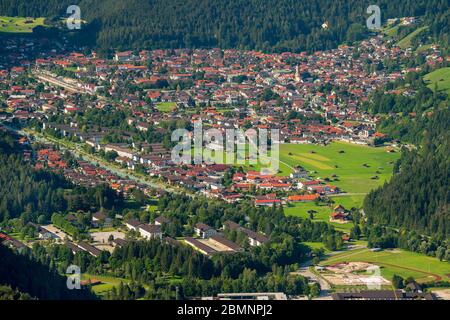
(34,195)
(267,25)
(418,195)
(23,277)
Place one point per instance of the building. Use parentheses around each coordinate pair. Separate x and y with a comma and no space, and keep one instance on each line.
(203,230)
(251,296)
(99,219)
(150,231)
(133,224)
(382,295)
(254,238)
(89,248)
(161,220)
(199,246)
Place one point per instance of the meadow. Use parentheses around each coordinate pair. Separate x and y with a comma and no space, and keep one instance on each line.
(19,24)
(397,261)
(107,283)
(353,168)
(441,77)
(166,106)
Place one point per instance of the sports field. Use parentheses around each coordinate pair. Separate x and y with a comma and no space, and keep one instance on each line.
(166,106)
(397,261)
(19,24)
(441,77)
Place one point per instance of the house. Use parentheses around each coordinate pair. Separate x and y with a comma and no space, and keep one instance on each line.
(255,239)
(159,221)
(203,230)
(47,234)
(133,224)
(118,242)
(340,215)
(150,231)
(99,219)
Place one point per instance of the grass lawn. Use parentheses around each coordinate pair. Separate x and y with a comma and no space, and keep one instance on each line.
(317,245)
(300,209)
(166,106)
(19,24)
(397,261)
(348,202)
(391,31)
(441,77)
(344,160)
(107,283)
(406,41)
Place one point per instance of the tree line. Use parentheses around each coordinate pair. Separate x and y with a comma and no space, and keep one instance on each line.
(268,25)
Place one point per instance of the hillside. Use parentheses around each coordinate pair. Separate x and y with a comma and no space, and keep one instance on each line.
(26,275)
(417,197)
(269,25)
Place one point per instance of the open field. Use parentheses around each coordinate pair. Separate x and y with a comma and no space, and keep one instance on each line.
(441,77)
(397,261)
(107,283)
(300,209)
(166,106)
(19,24)
(354,165)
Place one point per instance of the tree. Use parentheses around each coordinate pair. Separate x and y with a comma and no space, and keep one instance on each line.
(398,282)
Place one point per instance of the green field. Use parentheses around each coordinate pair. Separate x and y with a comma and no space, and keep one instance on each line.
(107,283)
(441,77)
(406,41)
(397,261)
(354,165)
(166,106)
(391,31)
(323,212)
(19,24)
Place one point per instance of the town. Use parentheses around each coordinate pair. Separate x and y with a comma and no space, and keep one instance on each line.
(106,123)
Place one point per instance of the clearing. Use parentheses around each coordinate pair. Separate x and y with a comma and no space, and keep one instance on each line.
(19,24)
(441,77)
